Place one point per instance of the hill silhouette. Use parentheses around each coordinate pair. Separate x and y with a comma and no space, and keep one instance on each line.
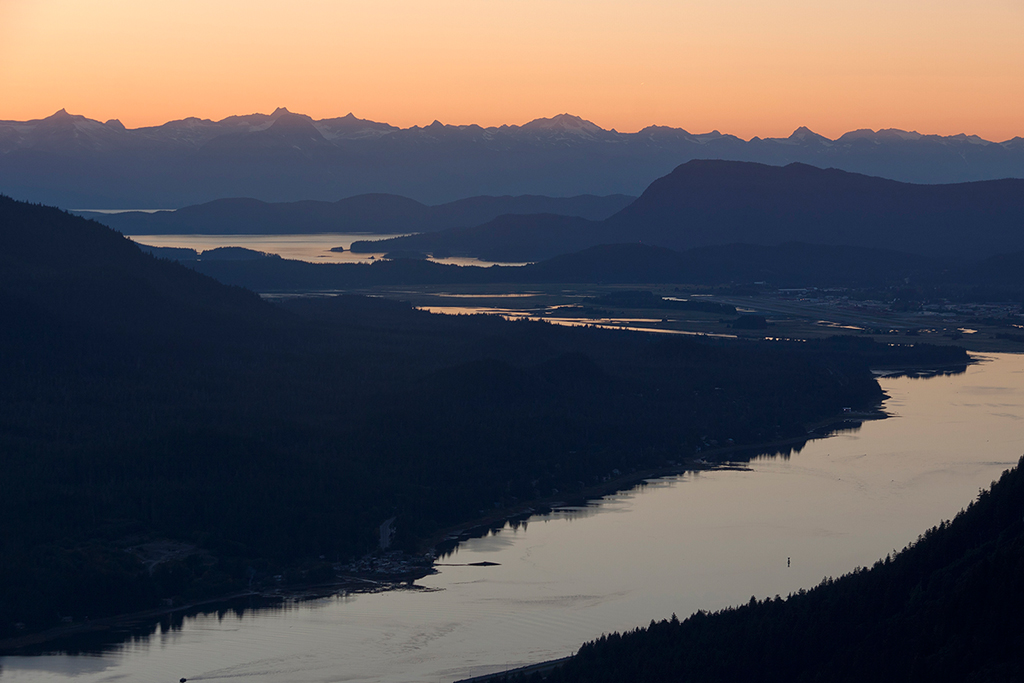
(369,213)
(509,238)
(787,265)
(72,272)
(792,264)
(144,402)
(705,203)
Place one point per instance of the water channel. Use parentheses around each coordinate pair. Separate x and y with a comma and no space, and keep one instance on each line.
(313,248)
(703,540)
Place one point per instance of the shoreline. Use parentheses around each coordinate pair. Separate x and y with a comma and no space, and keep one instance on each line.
(26,645)
(30,643)
(710,459)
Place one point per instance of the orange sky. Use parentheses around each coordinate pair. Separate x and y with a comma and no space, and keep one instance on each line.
(746,67)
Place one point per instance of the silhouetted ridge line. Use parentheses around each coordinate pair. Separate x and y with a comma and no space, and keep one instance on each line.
(79,163)
(367,213)
(706,202)
(786,265)
(145,405)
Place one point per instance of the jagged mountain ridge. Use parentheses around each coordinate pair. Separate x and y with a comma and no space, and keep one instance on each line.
(77,162)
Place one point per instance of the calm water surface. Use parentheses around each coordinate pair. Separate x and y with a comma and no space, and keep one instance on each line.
(696,541)
(315,248)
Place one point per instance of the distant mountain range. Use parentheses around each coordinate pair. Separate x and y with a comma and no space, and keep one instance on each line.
(370,213)
(704,203)
(80,163)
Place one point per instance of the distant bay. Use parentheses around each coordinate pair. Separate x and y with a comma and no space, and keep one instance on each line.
(111,212)
(313,248)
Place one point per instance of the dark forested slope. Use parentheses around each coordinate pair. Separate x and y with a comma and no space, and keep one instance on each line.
(143,401)
(947,608)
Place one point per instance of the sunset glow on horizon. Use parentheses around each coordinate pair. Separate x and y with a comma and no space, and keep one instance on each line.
(744,67)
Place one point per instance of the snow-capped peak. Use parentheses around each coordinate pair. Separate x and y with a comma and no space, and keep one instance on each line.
(566,123)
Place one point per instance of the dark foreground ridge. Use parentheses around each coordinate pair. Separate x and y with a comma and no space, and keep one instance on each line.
(165,438)
(946,608)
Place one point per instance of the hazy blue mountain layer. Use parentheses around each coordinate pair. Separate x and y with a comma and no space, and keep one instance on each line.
(705,203)
(76,162)
(370,213)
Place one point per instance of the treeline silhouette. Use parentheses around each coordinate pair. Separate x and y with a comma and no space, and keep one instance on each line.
(946,608)
(786,265)
(871,273)
(143,401)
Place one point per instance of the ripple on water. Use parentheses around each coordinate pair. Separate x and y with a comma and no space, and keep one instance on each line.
(696,541)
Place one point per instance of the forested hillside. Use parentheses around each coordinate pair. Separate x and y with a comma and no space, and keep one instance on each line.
(142,401)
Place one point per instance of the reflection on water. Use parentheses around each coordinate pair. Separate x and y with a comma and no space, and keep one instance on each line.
(698,540)
(921,374)
(132,636)
(314,248)
(634,324)
(733,458)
